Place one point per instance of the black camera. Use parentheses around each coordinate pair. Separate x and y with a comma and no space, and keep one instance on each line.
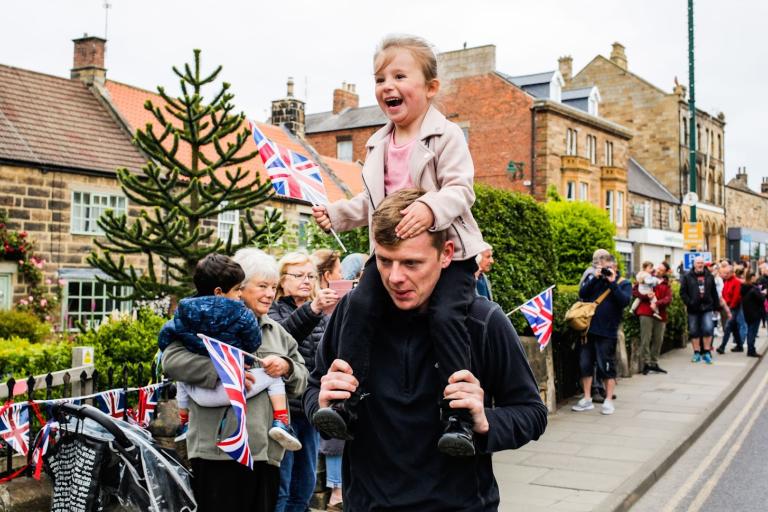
(606,272)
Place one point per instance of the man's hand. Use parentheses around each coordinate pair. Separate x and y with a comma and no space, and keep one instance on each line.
(337,384)
(464,391)
(417,218)
(275,366)
(249,380)
(320,213)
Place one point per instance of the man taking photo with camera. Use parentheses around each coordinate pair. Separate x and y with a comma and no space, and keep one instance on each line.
(600,346)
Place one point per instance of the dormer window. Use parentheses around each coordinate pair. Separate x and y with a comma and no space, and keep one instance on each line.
(556,87)
(593,102)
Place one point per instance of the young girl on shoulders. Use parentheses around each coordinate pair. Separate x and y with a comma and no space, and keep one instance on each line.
(417,148)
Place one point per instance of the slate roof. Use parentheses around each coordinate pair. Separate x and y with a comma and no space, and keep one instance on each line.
(49,120)
(129,101)
(642,182)
(577,94)
(346,119)
(534,79)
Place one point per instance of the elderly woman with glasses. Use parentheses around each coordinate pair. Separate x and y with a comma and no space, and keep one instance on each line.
(299,308)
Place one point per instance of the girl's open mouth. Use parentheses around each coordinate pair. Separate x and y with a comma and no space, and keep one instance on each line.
(393,102)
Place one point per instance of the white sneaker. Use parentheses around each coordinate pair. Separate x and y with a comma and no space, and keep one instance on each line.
(585,404)
(608,407)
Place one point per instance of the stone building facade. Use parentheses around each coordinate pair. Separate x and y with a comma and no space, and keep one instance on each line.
(659,122)
(747,218)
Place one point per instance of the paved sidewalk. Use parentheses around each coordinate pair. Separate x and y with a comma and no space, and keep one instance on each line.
(586,461)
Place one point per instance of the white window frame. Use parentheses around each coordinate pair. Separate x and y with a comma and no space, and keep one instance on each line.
(84,216)
(305,220)
(647,215)
(583,191)
(608,153)
(619,208)
(571,142)
(672,214)
(97,292)
(345,150)
(609,203)
(570,190)
(228,221)
(592,149)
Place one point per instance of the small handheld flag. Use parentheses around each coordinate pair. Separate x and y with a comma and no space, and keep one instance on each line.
(538,312)
(229,364)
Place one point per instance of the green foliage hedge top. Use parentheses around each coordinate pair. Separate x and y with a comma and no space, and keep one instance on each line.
(523,249)
(578,229)
(23,325)
(19,358)
(125,342)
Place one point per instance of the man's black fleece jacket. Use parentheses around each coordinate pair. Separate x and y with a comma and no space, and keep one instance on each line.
(393,462)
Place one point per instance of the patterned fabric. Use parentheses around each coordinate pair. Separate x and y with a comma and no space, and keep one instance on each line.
(229,365)
(145,409)
(14,427)
(538,312)
(112,403)
(292,174)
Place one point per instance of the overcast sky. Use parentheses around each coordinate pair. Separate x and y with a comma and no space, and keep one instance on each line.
(322,43)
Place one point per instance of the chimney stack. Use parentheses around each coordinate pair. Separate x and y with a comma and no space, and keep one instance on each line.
(88,61)
(741,177)
(566,68)
(618,56)
(764,186)
(344,98)
(289,111)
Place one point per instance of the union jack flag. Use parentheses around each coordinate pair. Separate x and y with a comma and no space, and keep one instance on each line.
(229,364)
(538,312)
(44,439)
(292,174)
(112,402)
(14,427)
(145,409)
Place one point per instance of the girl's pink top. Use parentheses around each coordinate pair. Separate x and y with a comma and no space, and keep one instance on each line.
(397,175)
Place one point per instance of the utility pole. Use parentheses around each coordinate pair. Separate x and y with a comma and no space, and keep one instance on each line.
(692,108)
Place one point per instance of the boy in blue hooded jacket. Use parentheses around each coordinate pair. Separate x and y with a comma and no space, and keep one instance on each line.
(217,311)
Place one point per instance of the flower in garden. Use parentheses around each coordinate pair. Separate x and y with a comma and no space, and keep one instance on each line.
(43,303)
(48,281)
(47,318)
(23,302)
(62,282)
(31,299)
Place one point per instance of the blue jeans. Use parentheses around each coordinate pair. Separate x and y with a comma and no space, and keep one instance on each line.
(297,471)
(732,326)
(751,335)
(700,325)
(742,324)
(333,471)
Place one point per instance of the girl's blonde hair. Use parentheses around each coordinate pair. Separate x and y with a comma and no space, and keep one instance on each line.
(325,261)
(423,53)
(294,258)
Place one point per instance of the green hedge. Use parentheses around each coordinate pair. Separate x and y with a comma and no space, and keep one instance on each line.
(125,342)
(23,325)
(19,358)
(578,229)
(518,229)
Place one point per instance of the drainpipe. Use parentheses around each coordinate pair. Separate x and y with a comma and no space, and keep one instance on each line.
(533,151)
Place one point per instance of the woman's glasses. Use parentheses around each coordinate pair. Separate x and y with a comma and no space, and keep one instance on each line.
(301,277)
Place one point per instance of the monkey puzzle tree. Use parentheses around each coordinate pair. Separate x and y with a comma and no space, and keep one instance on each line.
(195,150)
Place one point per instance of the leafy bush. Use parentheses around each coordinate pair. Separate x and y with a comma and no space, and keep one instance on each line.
(19,358)
(518,229)
(355,240)
(578,229)
(125,342)
(23,325)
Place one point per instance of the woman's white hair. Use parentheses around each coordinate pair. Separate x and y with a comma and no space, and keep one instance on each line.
(257,264)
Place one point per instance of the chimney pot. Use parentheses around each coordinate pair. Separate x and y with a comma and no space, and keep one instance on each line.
(88,59)
(618,56)
(345,97)
(566,68)
(290,87)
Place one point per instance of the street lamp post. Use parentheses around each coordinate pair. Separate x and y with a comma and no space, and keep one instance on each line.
(692,107)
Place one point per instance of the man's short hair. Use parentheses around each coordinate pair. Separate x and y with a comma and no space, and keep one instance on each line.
(217,271)
(387,216)
(599,255)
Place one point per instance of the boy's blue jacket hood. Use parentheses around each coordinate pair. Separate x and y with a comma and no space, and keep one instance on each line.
(225,319)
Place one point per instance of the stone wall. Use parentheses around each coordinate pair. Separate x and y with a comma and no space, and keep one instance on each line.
(660,213)
(746,209)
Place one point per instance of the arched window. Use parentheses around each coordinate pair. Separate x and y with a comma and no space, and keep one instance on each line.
(719,147)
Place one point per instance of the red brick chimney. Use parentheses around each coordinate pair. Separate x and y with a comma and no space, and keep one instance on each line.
(88,61)
(346,97)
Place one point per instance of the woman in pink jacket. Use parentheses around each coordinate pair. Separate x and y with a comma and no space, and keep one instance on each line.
(418,148)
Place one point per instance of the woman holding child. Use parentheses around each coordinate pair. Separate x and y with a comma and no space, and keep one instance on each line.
(221,483)
(654,295)
(299,309)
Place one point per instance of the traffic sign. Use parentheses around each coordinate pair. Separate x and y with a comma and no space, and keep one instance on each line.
(690,256)
(693,235)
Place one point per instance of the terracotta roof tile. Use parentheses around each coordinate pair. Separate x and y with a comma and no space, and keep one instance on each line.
(49,120)
(130,100)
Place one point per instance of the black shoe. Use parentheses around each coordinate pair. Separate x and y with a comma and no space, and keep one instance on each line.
(336,420)
(658,369)
(752,354)
(737,349)
(456,440)
(720,350)
(646,369)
